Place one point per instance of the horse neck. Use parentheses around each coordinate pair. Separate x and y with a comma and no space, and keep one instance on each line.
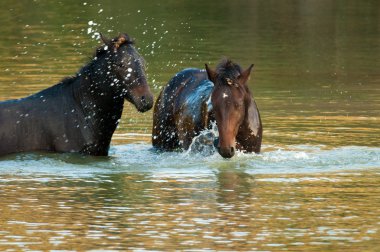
(101,110)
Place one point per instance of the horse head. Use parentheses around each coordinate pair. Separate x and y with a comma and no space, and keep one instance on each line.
(126,67)
(230,100)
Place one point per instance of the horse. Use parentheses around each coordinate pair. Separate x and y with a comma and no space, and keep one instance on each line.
(195,98)
(80,113)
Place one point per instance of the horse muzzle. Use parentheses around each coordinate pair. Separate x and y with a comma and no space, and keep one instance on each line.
(226,152)
(143,103)
(141,97)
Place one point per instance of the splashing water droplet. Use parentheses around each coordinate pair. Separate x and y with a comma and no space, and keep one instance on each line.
(204,143)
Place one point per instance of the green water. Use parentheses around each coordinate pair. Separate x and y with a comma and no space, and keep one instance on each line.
(316,81)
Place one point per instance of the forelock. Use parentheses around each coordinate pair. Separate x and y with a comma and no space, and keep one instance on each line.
(228,69)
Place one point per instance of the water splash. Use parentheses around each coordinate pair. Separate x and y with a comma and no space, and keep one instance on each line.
(204,143)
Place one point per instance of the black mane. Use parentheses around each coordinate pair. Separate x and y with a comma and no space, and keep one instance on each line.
(101,50)
(85,70)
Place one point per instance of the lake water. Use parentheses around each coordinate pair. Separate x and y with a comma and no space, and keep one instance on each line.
(314,187)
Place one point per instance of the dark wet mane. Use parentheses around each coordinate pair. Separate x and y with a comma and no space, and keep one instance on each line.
(122,39)
(68,80)
(228,69)
(84,71)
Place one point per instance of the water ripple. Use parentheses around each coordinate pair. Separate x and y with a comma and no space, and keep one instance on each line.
(141,158)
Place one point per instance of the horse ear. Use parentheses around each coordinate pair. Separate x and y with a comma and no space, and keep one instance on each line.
(121,39)
(104,39)
(210,73)
(245,74)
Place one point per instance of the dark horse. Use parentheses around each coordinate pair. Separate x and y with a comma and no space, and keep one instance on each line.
(194,98)
(80,113)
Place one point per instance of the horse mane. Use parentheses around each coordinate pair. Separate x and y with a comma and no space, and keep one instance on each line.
(228,69)
(101,50)
(67,80)
(82,72)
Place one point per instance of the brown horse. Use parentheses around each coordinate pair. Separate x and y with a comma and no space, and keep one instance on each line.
(80,113)
(194,98)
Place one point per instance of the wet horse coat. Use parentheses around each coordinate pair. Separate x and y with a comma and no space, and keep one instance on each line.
(191,101)
(80,113)
(179,114)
